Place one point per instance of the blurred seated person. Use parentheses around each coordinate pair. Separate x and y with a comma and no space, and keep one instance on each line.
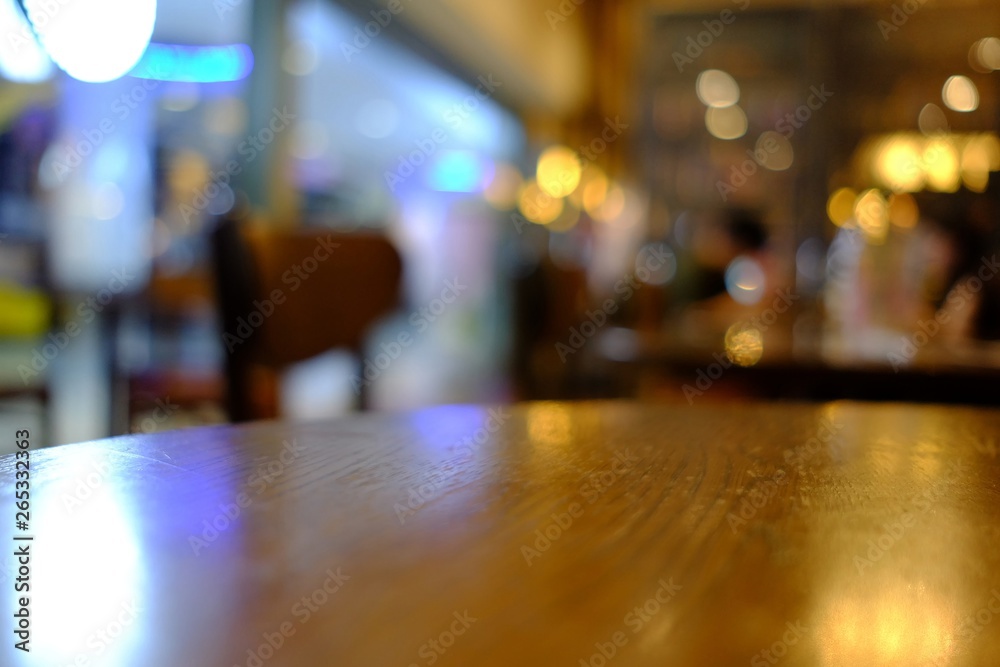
(969,305)
(737,273)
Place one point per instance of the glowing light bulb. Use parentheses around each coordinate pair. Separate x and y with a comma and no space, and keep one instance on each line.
(94,40)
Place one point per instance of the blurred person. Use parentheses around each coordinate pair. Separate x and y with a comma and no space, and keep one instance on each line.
(968,307)
(738,234)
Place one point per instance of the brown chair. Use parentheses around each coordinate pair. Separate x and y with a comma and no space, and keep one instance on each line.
(286,295)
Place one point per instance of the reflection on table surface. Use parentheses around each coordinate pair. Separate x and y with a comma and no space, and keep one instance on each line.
(546,533)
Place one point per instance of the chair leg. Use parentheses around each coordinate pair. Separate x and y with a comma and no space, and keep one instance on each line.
(362,402)
(239,393)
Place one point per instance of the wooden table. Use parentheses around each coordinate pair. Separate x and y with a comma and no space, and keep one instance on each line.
(546,534)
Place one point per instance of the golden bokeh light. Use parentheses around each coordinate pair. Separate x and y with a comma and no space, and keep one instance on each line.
(612,206)
(872,213)
(537,206)
(502,191)
(898,164)
(903,210)
(558,171)
(726,123)
(991,145)
(594,194)
(960,94)
(716,88)
(975,166)
(744,345)
(591,177)
(840,206)
(941,164)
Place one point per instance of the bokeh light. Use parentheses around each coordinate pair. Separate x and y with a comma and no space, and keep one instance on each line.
(558,171)
(872,213)
(777,150)
(612,206)
(903,210)
(745,280)
(744,345)
(960,94)
(538,206)
(22,59)
(984,56)
(941,163)
(932,119)
(716,88)
(898,164)
(659,255)
(593,187)
(726,123)
(840,206)
(975,166)
(94,40)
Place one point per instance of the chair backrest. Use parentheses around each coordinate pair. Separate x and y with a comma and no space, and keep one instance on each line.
(286,295)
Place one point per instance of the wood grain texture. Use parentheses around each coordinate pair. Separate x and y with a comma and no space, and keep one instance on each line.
(835,534)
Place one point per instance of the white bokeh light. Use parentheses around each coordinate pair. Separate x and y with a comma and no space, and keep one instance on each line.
(94,40)
(22,59)
(745,280)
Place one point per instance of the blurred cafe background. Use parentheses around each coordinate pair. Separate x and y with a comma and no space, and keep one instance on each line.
(216,210)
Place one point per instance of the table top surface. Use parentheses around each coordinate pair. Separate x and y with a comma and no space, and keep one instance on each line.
(542,534)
